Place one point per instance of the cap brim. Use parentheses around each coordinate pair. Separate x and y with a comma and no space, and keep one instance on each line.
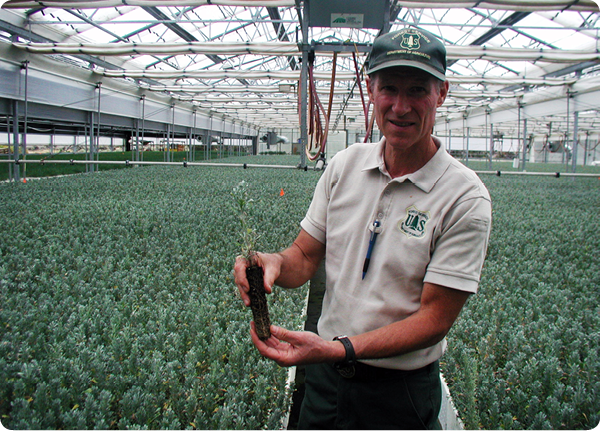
(408,63)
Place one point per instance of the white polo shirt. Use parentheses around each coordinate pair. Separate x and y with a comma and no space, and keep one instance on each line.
(434,227)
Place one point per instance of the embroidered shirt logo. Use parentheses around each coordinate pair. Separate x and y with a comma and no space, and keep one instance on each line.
(415,222)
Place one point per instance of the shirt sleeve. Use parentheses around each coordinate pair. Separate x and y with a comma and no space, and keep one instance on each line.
(315,221)
(460,249)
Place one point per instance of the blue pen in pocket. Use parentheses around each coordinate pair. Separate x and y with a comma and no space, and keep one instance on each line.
(374,233)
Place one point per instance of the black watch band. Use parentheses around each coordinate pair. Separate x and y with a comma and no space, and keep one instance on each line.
(350,358)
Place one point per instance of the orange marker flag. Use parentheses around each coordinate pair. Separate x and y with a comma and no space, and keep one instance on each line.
(281,193)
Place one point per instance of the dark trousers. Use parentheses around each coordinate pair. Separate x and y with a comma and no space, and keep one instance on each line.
(374,398)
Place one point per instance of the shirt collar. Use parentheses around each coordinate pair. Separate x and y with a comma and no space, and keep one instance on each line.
(425,178)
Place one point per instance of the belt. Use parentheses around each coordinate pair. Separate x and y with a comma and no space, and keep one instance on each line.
(362,371)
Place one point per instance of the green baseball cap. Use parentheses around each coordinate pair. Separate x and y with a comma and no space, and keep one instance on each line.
(409,47)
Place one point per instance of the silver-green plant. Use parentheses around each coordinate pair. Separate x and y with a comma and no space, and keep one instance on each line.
(248,236)
(254,272)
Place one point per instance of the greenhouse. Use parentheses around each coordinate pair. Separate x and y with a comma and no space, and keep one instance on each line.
(129,128)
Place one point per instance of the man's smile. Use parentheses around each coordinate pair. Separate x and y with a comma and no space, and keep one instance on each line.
(398,123)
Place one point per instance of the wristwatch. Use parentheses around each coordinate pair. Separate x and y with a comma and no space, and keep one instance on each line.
(346,367)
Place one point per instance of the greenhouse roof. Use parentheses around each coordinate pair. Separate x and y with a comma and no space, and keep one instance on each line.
(242,58)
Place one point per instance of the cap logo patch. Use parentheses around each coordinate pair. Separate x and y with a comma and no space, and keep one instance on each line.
(415,222)
(411,41)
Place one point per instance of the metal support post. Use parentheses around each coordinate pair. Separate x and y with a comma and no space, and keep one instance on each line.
(232,140)
(304,86)
(207,144)
(135,153)
(488,119)
(193,158)
(586,148)
(467,152)
(465,138)
(209,140)
(25,65)
(163,142)
(566,140)
(90,148)
(141,153)
(172,143)
(575,141)
(524,144)
(220,142)
(519,140)
(189,142)
(386,17)
(16,147)
(9,150)
(96,153)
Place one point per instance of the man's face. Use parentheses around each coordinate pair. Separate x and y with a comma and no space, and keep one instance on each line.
(405,100)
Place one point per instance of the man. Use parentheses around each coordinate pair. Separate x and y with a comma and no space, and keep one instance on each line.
(404,229)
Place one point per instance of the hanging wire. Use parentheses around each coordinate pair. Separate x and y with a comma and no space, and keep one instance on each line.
(366,105)
(359,83)
(318,127)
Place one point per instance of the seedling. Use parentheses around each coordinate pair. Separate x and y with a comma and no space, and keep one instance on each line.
(254,272)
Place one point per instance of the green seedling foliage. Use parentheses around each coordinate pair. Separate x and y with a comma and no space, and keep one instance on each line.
(118,304)
(254,273)
(524,351)
(118,307)
(248,236)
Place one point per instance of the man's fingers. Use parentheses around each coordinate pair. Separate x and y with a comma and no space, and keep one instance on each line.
(253,331)
(282,334)
(261,345)
(239,274)
(270,272)
(272,348)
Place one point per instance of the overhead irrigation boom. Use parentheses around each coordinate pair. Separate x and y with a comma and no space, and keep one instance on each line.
(186,164)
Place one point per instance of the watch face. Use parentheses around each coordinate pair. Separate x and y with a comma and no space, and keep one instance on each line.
(347,372)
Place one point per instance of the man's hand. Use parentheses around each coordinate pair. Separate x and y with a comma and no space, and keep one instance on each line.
(291,268)
(271,264)
(289,348)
